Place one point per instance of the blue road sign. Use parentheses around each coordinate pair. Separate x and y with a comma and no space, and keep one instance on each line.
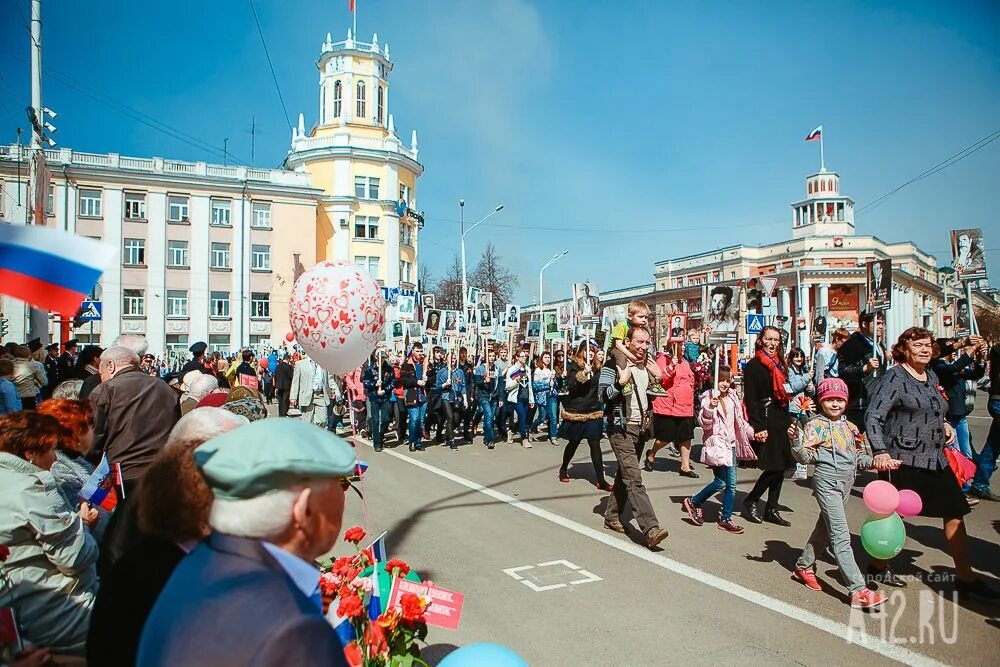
(755,323)
(90,311)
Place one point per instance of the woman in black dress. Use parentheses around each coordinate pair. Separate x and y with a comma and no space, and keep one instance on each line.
(765,395)
(583,418)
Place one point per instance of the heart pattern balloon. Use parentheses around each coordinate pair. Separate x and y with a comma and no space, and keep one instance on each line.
(337,314)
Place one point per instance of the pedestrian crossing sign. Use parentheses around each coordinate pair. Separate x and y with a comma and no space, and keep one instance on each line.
(755,323)
(90,311)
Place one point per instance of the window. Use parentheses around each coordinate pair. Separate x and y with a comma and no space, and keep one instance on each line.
(177,208)
(404,193)
(405,234)
(261,215)
(90,203)
(220,255)
(366,187)
(372,188)
(177,253)
(133,303)
(405,272)
(359,110)
(220,212)
(220,304)
(134,253)
(177,344)
(359,186)
(338,89)
(369,264)
(50,203)
(366,227)
(260,257)
(135,206)
(218,342)
(260,305)
(177,303)
(379,105)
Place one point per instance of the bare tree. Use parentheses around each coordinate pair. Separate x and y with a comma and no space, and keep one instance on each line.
(448,290)
(425,279)
(988,322)
(493,276)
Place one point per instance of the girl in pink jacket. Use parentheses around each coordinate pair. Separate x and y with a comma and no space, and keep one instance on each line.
(725,428)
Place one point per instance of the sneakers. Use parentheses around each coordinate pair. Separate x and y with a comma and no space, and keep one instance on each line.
(866,598)
(694,512)
(452,446)
(510,437)
(808,577)
(673,451)
(655,536)
(972,500)
(984,495)
(526,443)
(884,576)
(730,527)
(615,525)
(552,441)
(489,445)
(656,390)
(647,464)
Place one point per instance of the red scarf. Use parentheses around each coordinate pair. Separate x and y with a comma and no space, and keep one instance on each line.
(778,378)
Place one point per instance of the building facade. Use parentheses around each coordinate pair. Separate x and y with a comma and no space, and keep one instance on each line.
(210,252)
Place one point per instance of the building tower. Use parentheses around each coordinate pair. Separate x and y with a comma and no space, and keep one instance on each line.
(824,211)
(367,214)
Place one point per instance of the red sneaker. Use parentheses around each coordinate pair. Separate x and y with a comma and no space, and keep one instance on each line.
(694,512)
(866,598)
(808,577)
(730,527)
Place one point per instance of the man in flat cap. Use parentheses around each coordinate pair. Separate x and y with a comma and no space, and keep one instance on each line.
(249,593)
(197,362)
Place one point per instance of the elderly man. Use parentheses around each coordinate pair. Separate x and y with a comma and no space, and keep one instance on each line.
(310,391)
(279,501)
(133,415)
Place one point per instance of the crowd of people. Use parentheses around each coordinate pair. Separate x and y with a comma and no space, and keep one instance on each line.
(198,514)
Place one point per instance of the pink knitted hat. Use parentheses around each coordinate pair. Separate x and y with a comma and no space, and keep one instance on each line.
(832,388)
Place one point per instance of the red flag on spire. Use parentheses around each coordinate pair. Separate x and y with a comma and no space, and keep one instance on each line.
(350,5)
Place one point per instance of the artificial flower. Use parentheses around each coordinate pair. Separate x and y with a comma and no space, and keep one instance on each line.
(397,564)
(354,535)
(350,606)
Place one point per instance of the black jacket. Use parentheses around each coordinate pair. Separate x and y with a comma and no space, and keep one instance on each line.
(952,376)
(283,376)
(851,359)
(583,395)
(764,414)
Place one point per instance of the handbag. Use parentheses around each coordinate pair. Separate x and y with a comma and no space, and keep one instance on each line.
(960,464)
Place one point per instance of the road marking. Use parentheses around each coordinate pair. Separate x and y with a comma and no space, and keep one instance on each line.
(588,577)
(835,628)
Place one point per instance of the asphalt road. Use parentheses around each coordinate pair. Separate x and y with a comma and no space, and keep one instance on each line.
(543,577)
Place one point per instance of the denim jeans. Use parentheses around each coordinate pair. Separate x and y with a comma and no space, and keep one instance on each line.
(961,426)
(501,416)
(416,415)
(551,410)
(986,461)
(725,478)
(379,418)
(486,407)
(521,409)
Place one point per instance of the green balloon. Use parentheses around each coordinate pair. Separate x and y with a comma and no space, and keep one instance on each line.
(883,537)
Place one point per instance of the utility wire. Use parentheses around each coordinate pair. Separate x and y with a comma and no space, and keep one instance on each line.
(269,64)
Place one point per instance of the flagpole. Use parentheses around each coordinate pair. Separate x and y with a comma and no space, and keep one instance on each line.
(354,4)
(822,158)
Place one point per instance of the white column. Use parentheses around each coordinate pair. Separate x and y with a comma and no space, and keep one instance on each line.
(239,301)
(200,251)
(824,295)
(391,228)
(805,313)
(156,260)
(785,308)
(111,281)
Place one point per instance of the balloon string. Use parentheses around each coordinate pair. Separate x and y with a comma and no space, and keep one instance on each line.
(354,434)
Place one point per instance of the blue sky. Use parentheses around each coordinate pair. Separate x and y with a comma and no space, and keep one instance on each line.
(678,124)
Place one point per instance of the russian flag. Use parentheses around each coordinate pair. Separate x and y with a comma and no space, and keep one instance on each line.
(375,601)
(99,488)
(379,551)
(341,625)
(815,134)
(50,268)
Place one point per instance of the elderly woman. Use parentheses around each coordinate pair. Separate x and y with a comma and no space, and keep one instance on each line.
(199,386)
(51,568)
(174,502)
(246,402)
(906,420)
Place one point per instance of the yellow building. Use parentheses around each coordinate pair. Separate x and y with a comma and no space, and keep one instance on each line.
(367,213)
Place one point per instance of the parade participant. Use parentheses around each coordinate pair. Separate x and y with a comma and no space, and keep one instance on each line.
(520,395)
(543,384)
(485,377)
(861,361)
(198,361)
(355,390)
(413,377)
(622,389)
(834,447)
(721,418)
(906,422)
(67,360)
(454,400)
(283,383)
(310,391)
(638,316)
(825,360)
(765,396)
(398,399)
(279,489)
(28,377)
(9,399)
(799,378)
(986,461)
(435,410)
(583,415)
(468,412)
(501,415)
(673,413)
(51,364)
(266,381)
(52,554)
(379,380)
(244,374)
(953,372)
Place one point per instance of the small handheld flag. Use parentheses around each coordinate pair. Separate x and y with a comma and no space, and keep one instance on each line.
(99,488)
(379,551)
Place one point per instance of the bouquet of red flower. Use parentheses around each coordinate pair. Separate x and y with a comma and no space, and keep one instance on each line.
(353,602)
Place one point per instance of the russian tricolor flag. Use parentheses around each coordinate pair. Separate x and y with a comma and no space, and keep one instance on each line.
(50,268)
(815,134)
(100,488)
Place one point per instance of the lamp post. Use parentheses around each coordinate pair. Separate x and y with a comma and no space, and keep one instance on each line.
(465,284)
(541,307)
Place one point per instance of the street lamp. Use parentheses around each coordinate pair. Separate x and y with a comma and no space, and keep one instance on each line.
(541,307)
(465,284)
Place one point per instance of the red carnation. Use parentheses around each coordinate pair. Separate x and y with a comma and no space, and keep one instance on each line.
(397,564)
(354,535)
(328,583)
(412,607)
(350,606)
(4,553)
(344,568)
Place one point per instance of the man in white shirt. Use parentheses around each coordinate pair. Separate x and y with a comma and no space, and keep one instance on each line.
(311,391)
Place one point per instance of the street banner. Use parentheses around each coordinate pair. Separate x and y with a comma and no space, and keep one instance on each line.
(445,608)
(587,300)
(878,281)
(844,307)
(678,328)
(967,252)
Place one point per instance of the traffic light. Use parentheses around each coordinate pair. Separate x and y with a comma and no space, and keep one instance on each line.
(3,328)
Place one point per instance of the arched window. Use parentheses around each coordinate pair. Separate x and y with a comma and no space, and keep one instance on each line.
(809,187)
(829,185)
(359,111)
(379,105)
(322,104)
(822,186)
(337,92)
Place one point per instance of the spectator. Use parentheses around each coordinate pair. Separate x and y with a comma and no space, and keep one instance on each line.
(9,399)
(68,389)
(825,362)
(201,386)
(283,384)
(861,362)
(52,555)
(86,369)
(29,377)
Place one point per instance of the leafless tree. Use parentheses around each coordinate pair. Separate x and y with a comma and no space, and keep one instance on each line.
(492,275)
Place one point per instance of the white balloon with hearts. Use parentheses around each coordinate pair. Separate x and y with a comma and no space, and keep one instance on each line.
(337,314)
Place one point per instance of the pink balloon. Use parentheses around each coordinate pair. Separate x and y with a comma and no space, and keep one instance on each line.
(909,503)
(881,497)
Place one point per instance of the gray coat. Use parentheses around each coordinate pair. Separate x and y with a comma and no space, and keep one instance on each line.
(905,419)
(51,569)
